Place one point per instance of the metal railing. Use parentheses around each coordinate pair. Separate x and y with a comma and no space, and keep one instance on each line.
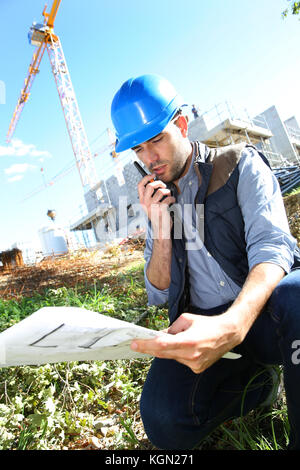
(226,110)
(294,133)
(288,177)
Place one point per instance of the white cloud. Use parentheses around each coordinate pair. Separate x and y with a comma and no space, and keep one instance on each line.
(17,148)
(40,153)
(15,178)
(20,168)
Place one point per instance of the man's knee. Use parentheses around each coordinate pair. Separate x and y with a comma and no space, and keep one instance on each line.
(286,295)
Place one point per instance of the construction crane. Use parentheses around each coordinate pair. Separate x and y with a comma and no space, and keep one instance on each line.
(42,36)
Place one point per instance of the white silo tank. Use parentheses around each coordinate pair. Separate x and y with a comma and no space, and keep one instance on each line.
(53,240)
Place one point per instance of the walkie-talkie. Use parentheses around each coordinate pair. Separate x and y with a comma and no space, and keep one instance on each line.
(140,169)
(170,186)
(144,173)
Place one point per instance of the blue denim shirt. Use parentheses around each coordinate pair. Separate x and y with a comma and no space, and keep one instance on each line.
(267,234)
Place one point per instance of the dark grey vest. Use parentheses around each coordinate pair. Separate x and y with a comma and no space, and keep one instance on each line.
(223,224)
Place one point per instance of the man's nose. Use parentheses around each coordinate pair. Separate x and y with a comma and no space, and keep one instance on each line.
(151,155)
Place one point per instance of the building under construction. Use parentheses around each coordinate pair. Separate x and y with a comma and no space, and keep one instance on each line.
(222,125)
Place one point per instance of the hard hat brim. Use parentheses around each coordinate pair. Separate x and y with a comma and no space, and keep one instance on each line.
(151,129)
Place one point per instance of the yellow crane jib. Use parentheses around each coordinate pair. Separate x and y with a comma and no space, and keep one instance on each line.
(42,37)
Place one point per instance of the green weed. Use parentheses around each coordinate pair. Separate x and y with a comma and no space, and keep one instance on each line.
(58,406)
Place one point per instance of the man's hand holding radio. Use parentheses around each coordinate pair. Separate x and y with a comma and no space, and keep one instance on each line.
(155,199)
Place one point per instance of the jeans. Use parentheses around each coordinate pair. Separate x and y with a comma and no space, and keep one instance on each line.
(179,408)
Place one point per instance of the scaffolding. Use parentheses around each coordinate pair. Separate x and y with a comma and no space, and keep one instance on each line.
(225,124)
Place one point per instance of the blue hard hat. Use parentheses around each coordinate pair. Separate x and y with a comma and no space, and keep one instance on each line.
(142,108)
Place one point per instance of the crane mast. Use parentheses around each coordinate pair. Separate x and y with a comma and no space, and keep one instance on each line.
(75,127)
(43,37)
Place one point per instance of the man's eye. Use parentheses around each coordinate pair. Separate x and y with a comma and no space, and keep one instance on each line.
(158,139)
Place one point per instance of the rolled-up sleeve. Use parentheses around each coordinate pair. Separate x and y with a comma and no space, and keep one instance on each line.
(155,296)
(267,233)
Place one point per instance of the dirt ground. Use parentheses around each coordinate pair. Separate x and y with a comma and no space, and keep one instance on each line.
(85,267)
(79,268)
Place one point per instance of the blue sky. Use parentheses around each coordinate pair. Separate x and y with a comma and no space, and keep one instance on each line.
(212,51)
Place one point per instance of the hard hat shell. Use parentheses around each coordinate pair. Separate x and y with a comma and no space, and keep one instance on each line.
(142,108)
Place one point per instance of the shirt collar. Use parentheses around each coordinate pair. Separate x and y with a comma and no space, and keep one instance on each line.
(199,154)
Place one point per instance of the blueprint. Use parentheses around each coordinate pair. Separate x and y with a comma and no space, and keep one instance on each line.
(60,334)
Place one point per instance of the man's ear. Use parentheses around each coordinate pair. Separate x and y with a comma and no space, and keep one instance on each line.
(182,123)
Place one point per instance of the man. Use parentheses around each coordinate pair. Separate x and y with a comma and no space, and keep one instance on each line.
(228,282)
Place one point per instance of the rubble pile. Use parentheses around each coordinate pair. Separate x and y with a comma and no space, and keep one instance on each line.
(11,258)
(292,207)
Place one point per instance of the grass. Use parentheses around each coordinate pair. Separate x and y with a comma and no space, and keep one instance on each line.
(293,191)
(68,405)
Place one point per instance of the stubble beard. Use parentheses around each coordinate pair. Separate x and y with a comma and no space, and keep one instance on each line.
(178,167)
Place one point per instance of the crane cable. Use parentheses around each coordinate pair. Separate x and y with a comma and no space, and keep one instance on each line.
(71,166)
